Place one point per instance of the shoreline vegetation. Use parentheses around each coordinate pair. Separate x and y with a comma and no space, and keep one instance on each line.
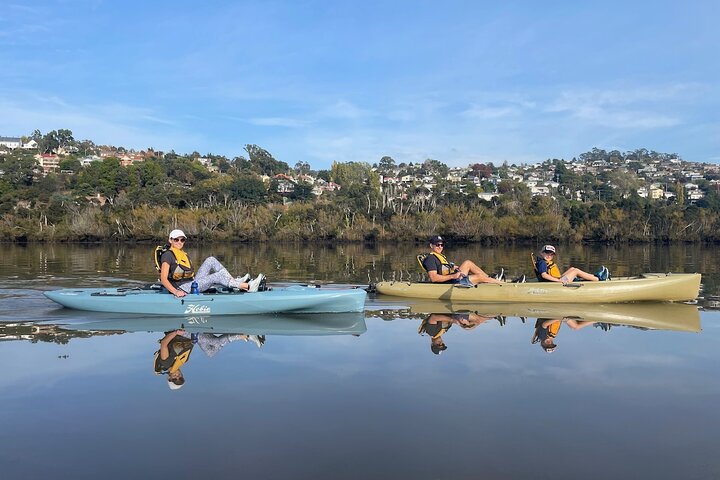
(62,190)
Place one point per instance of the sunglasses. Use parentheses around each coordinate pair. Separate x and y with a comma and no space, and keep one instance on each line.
(439,244)
(181,240)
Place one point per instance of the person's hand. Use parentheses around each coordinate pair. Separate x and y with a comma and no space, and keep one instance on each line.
(564,280)
(458,275)
(180,293)
(181,332)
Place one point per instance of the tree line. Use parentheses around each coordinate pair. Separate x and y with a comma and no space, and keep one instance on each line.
(240,201)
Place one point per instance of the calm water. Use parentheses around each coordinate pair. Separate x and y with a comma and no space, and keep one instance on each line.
(358,396)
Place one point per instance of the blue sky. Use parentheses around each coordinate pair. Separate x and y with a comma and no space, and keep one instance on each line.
(457,81)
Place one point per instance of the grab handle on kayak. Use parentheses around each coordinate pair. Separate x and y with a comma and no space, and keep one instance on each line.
(573,285)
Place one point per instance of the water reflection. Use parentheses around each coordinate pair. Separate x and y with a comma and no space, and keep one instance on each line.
(438,317)
(436,325)
(651,316)
(177,345)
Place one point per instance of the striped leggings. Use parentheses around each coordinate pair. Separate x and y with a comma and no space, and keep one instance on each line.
(210,273)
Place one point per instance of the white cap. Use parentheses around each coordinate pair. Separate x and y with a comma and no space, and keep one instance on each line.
(174,386)
(546,248)
(177,234)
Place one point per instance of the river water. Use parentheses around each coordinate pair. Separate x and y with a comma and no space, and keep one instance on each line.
(629,392)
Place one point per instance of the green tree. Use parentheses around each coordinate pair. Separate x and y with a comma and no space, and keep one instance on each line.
(302,192)
(248,188)
(70,164)
(262,162)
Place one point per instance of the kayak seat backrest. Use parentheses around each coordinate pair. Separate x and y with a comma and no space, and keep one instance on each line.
(420,259)
(533,260)
(159,250)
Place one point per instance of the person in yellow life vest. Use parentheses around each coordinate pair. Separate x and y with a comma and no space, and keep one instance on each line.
(177,273)
(175,349)
(547,271)
(440,270)
(546,329)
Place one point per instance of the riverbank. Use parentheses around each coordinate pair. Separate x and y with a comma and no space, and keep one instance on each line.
(312,222)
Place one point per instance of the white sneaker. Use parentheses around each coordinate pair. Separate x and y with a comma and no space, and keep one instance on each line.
(255,284)
(258,340)
(244,278)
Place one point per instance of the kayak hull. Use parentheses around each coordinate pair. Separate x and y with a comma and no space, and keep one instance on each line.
(293,299)
(649,287)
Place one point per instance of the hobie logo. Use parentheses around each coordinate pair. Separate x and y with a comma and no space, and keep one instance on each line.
(195,309)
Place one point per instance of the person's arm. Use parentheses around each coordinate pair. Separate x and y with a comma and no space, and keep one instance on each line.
(547,323)
(164,274)
(550,278)
(433,266)
(165,342)
(437,278)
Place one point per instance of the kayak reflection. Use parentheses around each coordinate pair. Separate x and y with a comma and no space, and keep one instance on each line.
(212,334)
(652,316)
(271,324)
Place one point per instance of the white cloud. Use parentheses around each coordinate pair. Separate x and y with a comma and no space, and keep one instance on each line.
(633,108)
(344,110)
(279,122)
(111,123)
(487,113)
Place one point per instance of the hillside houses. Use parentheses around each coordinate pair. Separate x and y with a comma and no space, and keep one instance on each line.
(11,143)
(595,175)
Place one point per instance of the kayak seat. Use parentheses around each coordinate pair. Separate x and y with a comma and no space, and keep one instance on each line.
(420,259)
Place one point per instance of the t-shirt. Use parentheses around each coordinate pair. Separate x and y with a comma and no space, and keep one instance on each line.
(542,266)
(431,263)
(169,258)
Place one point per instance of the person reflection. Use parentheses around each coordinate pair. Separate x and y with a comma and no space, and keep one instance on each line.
(176,346)
(211,344)
(175,349)
(437,324)
(546,329)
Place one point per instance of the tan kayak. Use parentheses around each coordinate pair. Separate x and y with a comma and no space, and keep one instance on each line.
(649,287)
(657,316)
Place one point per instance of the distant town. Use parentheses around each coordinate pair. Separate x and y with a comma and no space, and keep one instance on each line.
(658,176)
(53,172)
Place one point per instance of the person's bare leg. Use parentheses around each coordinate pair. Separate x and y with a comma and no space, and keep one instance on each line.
(483,279)
(572,272)
(469,267)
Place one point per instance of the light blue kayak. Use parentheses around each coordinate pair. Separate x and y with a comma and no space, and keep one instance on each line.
(292,299)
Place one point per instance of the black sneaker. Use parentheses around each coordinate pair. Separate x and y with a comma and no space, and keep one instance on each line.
(520,279)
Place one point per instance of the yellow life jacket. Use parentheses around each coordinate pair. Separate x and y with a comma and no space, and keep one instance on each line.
(446,266)
(553,329)
(181,349)
(553,269)
(542,333)
(183,267)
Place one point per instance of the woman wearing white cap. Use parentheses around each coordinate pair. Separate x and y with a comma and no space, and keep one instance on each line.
(177,272)
(547,271)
